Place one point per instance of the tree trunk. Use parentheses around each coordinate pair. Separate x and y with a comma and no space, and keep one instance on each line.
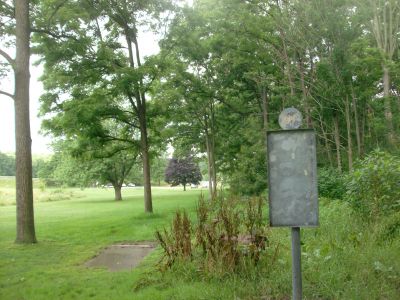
(210,144)
(141,113)
(148,205)
(362,130)
(117,191)
(287,61)
(23,155)
(265,119)
(349,141)
(213,169)
(327,145)
(210,189)
(184,187)
(387,105)
(305,96)
(337,143)
(398,100)
(358,134)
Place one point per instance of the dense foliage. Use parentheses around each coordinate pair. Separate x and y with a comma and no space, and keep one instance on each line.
(232,70)
(331,184)
(221,78)
(373,188)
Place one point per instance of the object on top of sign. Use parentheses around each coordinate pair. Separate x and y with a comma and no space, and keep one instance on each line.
(290,118)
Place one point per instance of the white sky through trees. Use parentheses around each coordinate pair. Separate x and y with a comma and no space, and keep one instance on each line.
(40,144)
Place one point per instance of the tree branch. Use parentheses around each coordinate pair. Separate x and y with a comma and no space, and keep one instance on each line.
(53,34)
(56,9)
(112,138)
(97,154)
(148,84)
(7,9)
(10,60)
(7,94)
(123,120)
(130,98)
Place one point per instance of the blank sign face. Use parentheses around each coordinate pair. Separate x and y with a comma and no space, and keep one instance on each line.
(292,178)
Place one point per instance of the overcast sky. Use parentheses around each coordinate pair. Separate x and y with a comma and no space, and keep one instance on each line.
(148,46)
(40,144)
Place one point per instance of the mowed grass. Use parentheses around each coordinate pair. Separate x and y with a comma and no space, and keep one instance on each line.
(72,231)
(40,193)
(345,258)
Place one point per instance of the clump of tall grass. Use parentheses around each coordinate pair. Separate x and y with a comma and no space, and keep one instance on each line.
(230,233)
(176,243)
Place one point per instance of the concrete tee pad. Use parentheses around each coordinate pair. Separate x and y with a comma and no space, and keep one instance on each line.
(121,257)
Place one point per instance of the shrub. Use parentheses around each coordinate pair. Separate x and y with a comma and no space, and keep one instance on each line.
(177,242)
(331,183)
(373,188)
(389,228)
(248,172)
(228,235)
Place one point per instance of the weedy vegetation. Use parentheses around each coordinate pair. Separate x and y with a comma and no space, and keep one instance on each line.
(227,236)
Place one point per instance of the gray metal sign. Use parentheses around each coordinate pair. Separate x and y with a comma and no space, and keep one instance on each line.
(292,178)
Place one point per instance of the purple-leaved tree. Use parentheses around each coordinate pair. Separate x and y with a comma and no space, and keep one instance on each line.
(182,171)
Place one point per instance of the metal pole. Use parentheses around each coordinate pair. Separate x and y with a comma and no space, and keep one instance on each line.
(296,264)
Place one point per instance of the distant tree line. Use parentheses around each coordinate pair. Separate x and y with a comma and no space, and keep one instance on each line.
(7,165)
(62,169)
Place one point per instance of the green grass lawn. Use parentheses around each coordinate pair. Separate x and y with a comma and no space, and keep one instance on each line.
(342,259)
(72,231)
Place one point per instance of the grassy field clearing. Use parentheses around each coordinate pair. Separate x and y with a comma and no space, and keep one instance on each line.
(40,193)
(72,231)
(341,260)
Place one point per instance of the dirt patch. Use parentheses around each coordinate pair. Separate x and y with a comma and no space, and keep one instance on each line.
(121,257)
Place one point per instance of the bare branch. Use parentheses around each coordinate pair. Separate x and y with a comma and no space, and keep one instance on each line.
(7,94)
(10,60)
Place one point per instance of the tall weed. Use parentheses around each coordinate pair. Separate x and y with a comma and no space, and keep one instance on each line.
(229,234)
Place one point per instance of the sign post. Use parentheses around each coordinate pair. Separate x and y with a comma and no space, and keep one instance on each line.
(292,183)
(296,264)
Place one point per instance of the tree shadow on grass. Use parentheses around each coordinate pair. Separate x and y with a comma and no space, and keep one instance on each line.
(147,216)
(105,200)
